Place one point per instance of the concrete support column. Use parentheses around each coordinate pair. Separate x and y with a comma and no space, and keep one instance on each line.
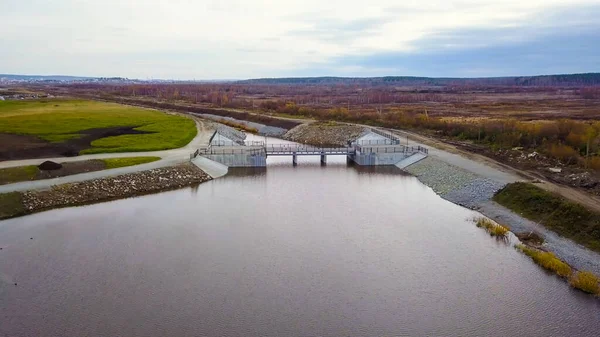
(323,159)
(294,159)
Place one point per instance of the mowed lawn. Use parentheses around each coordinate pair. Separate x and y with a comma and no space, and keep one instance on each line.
(62,120)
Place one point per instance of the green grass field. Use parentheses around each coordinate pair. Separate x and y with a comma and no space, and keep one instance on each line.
(61,120)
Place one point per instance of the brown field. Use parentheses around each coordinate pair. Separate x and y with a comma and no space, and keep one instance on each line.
(531,128)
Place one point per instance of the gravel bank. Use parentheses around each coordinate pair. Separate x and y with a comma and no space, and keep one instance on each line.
(454,184)
(123,186)
(324,134)
(475,192)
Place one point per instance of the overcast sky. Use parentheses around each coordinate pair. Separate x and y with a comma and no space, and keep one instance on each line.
(231,39)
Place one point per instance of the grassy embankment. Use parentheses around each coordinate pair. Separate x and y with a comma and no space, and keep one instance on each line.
(26,173)
(556,213)
(63,120)
(11,205)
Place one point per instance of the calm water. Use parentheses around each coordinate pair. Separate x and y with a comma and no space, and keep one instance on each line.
(287,251)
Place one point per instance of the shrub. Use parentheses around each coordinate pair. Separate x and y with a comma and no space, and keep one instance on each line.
(563,152)
(547,260)
(586,281)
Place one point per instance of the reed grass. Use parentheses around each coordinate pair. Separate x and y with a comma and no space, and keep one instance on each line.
(492,228)
(547,260)
(585,281)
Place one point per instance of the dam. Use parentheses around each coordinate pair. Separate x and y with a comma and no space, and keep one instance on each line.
(372,148)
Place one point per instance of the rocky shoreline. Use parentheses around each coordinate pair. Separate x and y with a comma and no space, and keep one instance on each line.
(112,188)
(474,191)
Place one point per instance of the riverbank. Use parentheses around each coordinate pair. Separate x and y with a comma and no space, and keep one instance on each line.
(99,190)
(475,190)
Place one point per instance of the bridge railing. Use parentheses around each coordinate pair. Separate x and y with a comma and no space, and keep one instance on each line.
(194,154)
(254,143)
(391,137)
(392,149)
(376,142)
(306,149)
(237,150)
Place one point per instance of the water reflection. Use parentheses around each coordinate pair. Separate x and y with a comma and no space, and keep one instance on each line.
(281,251)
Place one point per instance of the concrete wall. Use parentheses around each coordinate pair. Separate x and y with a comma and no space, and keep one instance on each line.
(375,159)
(415,158)
(239,160)
(372,138)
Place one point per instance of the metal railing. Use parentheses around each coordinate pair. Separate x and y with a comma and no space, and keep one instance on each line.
(291,149)
(377,142)
(391,137)
(194,154)
(254,143)
(233,150)
(392,149)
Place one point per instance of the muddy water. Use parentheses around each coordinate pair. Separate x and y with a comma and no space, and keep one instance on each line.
(286,251)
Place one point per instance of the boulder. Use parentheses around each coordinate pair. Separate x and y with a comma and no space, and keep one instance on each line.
(49,166)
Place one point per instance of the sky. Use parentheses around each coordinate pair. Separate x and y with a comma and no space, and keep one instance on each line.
(235,39)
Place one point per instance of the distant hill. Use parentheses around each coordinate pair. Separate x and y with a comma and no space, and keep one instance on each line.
(587,79)
(43,78)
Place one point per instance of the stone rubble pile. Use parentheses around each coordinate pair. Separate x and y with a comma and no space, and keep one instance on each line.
(118,187)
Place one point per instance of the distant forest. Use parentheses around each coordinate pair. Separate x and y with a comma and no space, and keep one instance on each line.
(569,80)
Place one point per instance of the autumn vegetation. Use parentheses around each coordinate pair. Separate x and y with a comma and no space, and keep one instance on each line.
(557,116)
(492,228)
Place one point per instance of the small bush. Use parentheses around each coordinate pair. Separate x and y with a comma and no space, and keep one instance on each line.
(563,152)
(586,281)
(547,260)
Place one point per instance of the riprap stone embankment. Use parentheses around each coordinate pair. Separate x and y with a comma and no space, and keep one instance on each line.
(123,186)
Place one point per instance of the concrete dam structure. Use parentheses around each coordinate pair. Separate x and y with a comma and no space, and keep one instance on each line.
(373,148)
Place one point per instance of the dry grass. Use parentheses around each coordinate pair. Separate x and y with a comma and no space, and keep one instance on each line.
(586,281)
(547,260)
